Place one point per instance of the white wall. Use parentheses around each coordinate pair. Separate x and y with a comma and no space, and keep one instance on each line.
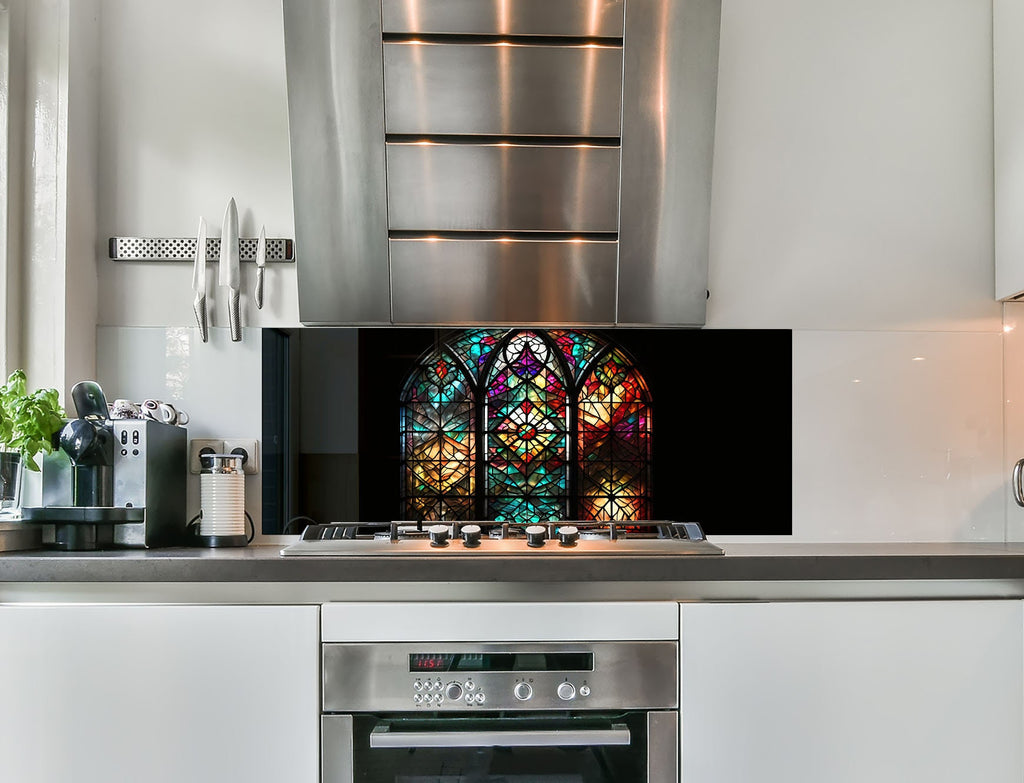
(852,203)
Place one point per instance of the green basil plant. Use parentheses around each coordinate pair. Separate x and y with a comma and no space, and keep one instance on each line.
(28,421)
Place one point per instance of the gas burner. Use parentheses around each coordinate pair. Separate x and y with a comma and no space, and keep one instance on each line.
(566,538)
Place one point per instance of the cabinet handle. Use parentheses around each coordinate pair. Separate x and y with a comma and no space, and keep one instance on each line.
(1018,487)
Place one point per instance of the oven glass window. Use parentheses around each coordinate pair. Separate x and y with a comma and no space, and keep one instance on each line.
(480,759)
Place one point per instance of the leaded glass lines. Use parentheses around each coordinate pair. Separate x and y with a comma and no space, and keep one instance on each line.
(438,424)
(526,426)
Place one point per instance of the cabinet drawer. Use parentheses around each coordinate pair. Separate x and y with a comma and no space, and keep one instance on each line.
(502,187)
(502,89)
(503,281)
(597,18)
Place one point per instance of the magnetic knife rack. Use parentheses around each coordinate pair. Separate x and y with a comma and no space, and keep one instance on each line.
(279,251)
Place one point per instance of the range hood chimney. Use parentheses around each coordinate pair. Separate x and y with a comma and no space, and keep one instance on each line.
(460,162)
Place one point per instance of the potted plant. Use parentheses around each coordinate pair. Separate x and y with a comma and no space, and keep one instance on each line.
(28,423)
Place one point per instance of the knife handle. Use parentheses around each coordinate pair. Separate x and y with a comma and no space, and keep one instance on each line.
(234,317)
(199,306)
(258,295)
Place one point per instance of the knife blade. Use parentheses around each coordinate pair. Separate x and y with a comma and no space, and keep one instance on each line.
(261,262)
(229,273)
(199,281)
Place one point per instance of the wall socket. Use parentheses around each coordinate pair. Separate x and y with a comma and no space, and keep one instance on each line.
(250,446)
(197,446)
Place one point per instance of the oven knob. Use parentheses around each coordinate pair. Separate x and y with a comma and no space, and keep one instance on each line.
(566,691)
(471,535)
(453,692)
(438,535)
(417,686)
(584,690)
(417,699)
(568,535)
(479,698)
(535,535)
(522,691)
(470,685)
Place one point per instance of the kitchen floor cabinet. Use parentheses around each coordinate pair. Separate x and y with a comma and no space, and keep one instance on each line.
(161,694)
(851,692)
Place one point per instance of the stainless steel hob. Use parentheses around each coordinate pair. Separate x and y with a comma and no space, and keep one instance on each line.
(468,539)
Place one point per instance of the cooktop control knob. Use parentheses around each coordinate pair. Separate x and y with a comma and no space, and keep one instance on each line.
(536,535)
(566,691)
(453,692)
(438,535)
(568,535)
(522,691)
(471,535)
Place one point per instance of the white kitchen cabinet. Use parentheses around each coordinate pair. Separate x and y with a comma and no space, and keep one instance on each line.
(161,694)
(852,692)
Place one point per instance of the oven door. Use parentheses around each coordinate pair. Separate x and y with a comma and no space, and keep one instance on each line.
(630,747)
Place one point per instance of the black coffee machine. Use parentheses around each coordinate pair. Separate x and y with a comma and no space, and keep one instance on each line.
(114,482)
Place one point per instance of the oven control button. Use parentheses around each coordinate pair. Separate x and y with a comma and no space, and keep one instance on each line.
(469,698)
(438,698)
(584,690)
(471,535)
(453,692)
(522,691)
(566,691)
(438,535)
(568,535)
(417,699)
(470,685)
(479,698)
(535,535)
(417,686)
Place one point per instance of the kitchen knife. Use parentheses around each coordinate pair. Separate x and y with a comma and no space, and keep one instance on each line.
(229,275)
(199,281)
(261,262)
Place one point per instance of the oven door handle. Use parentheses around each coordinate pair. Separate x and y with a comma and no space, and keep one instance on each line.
(383,737)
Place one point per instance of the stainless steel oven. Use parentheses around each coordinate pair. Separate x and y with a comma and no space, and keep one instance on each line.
(517,712)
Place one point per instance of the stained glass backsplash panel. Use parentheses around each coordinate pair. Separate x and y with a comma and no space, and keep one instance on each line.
(527,425)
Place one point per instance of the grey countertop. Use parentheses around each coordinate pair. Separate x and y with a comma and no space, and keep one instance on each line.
(741,563)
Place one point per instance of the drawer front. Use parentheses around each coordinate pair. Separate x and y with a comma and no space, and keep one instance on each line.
(503,281)
(595,18)
(502,89)
(502,187)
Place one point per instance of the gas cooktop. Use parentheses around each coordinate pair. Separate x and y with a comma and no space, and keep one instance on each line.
(459,539)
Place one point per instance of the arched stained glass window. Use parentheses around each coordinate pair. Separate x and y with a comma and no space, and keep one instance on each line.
(438,426)
(527,433)
(614,441)
(526,426)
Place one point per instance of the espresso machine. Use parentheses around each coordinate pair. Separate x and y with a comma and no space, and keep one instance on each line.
(112,483)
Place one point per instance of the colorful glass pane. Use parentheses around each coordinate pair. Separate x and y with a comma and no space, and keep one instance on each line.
(523,415)
(614,442)
(578,348)
(474,347)
(527,431)
(438,427)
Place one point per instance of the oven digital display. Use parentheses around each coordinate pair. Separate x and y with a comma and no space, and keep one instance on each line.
(502,662)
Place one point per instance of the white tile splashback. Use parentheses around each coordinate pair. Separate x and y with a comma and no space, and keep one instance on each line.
(217,383)
(896,437)
(1013,386)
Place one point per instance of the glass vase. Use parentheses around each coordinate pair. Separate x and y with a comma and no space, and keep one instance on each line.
(11,469)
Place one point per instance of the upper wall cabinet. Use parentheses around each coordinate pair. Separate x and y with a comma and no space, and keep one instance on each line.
(1008,124)
(462,162)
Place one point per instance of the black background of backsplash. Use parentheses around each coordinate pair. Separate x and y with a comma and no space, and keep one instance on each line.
(722,422)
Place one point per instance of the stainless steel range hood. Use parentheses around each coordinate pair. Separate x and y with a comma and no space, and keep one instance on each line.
(502,161)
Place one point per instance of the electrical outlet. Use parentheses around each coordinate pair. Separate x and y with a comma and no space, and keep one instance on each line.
(250,448)
(196,446)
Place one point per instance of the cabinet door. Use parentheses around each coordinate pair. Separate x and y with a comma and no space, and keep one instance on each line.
(927,691)
(103,694)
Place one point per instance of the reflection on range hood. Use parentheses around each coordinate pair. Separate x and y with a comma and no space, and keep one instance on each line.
(502,161)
